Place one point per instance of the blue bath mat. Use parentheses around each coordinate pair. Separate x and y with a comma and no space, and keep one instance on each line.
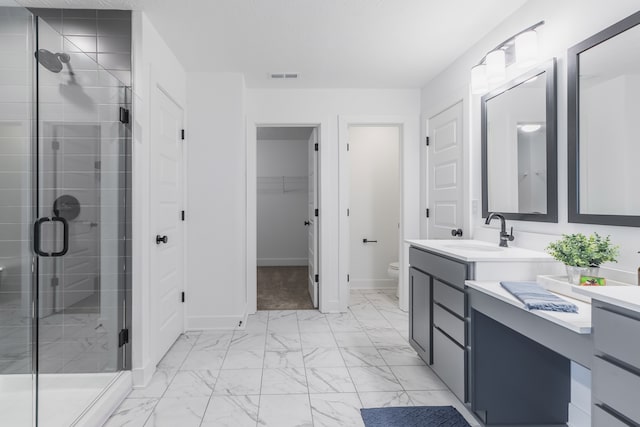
(413,416)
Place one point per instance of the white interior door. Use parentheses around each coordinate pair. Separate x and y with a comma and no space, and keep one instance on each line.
(166,209)
(374,204)
(313,220)
(446,193)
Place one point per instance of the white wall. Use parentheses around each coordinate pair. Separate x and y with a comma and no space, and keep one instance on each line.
(563,28)
(326,107)
(283,198)
(216,187)
(153,65)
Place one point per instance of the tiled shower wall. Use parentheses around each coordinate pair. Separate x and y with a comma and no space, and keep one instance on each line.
(15,195)
(79,111)
(104,35)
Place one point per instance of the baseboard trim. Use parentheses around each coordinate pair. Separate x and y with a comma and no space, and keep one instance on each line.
(332,307)
(142,376)
(203,323)
(373,284)
(282,262)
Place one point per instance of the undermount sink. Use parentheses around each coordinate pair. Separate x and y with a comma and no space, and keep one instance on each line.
(474,247)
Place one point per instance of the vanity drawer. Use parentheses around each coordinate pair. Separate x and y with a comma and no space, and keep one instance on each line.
(450,297)
(438,266)
(600,417)
(617,335)
(449,323)
(449,363)
(616,387)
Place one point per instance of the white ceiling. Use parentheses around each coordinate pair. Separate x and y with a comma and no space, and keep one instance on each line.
(331,43)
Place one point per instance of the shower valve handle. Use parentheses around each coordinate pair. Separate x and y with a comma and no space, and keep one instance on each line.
(161,239)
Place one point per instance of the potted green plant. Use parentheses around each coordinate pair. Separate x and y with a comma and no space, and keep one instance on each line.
(583,255)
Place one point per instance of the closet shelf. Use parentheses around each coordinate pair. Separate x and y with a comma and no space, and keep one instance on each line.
(282,184)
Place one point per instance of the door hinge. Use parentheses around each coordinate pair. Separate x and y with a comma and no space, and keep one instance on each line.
(317,278)
(182,134)
(427,213)
(348,278)
(124,115)
(182,297)
(316,212)
(427,138)
(123,337)
(182,215)
(315,147)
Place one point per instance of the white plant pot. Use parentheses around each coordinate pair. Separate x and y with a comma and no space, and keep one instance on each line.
(574,273)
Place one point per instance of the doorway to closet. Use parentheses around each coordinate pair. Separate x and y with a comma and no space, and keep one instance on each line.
(287,226)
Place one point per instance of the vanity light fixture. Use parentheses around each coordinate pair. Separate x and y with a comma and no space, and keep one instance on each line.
(496,66)
(479,83)
(520,49)
(527,48)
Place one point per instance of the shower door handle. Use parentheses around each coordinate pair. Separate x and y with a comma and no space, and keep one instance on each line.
(37,236)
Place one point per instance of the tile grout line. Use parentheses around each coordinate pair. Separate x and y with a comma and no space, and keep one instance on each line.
(376,347)
(345,362)
(169,382)
(217,376)
(304,369)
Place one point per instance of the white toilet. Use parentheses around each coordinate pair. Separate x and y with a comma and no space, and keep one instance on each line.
(394,272)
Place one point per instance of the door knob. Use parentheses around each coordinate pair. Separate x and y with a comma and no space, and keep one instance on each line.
(457,233)
(161,239)
(307,223)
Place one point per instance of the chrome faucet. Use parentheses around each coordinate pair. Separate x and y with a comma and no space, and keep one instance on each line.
(504,236)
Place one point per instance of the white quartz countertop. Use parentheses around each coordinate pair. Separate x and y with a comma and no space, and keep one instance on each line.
(477,250)
(623,296)
(579,322)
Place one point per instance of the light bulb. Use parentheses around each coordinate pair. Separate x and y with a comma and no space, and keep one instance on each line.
(527,48)
(479,82)
(528,128)
(496,70)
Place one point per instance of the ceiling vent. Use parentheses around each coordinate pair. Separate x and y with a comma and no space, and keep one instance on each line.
(283,76)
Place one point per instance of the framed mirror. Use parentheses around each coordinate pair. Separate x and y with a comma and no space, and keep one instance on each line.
(519,147)
(604,126)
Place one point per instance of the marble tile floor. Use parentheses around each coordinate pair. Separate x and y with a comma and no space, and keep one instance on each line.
(290,368)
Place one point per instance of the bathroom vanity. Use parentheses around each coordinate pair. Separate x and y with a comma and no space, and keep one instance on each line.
(509,365)
(438,304)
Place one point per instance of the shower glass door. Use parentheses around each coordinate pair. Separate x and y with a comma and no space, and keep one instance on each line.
(17,281)
(80,229)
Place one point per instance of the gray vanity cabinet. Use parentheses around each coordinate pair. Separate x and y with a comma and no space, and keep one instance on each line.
(420,313)
(616,365)
(437,323)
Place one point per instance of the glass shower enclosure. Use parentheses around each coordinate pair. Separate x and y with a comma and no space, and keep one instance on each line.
(64,225)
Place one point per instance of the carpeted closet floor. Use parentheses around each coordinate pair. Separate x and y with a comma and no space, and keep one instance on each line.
(283,288)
